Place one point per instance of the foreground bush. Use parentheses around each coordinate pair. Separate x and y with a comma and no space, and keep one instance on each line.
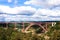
(10,34)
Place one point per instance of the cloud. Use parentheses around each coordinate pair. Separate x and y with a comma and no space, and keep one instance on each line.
(12,14)
(43,3)
(17,10)
(46,12)
(26,9)
(7,9)
(54,2)
(39,15)
(19,18)
(9,1)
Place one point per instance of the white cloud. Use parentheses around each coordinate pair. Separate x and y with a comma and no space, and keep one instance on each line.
(20,18)
(26,18)
(17,10)
(26,9)
(9,1)
(12,18)
(43,3)
(47,12)
(34,2)
(7,9)
(54,2)
(39,14)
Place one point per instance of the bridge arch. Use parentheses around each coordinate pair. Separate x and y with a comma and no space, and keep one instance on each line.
(36,25)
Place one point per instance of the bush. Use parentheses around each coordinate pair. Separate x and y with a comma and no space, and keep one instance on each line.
(56,35)
(10,34)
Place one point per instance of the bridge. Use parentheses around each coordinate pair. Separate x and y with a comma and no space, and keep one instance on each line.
(43,25)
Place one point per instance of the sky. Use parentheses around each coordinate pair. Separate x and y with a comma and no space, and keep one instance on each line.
(29,10)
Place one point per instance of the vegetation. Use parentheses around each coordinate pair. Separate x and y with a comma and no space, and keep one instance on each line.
(53,33)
